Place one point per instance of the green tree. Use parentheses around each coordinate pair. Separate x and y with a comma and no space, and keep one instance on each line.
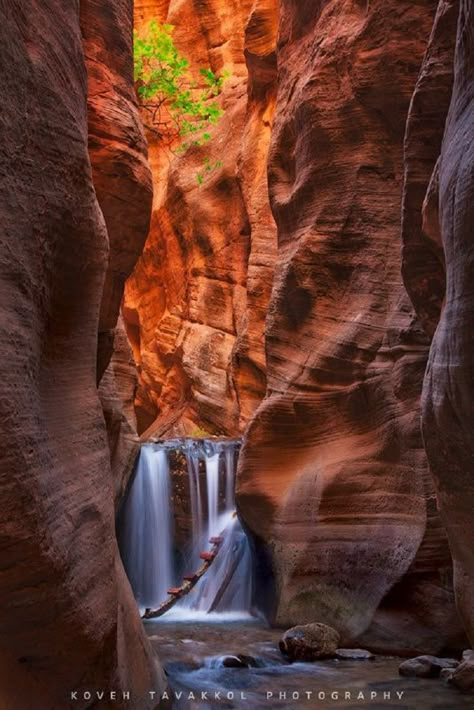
(180,110)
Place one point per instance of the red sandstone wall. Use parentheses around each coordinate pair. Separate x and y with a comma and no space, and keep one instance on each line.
(333,478)
(447,229)
(67,617)
(195,306)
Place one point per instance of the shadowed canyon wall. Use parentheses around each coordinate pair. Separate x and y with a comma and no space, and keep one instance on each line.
(333,478)
(68,620)
(445,236)
(195,306)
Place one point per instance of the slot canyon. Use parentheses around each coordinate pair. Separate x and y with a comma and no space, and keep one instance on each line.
(250,355)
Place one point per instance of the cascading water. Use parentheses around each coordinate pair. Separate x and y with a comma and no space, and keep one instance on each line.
(227,585)
(147,531)
(212,480)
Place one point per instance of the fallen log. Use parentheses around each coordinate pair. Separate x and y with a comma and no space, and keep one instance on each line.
(189,581)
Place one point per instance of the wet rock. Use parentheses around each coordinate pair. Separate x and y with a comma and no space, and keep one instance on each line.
(309,642)
(239,661)
(446,674)
(426,666)
(463,676)
(354,654)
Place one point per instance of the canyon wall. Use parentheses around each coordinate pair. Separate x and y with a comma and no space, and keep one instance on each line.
(333,478)
(275,305)
(68,620)
(195,306)
(446,231)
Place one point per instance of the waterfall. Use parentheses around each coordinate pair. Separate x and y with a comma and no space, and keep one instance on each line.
(147,540)
(192,460)
(230,478)
(212,480)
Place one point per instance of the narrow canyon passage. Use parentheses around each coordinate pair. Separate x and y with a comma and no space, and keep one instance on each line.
(237,388)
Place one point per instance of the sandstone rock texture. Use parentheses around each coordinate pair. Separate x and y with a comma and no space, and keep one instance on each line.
(423,258)
(67,617)
(195,306)
(448,391)
(333,480)
(117,395)
(309,642)
(463,676)
(118,152)
(427,666)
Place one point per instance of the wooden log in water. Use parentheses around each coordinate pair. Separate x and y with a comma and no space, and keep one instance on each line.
(189,582)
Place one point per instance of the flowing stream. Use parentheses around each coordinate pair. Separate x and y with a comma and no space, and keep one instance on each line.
(195,656)
(201,637)
(147,539)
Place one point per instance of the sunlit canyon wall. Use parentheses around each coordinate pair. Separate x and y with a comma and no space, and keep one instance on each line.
(195,306)
(276,307)
(68,620)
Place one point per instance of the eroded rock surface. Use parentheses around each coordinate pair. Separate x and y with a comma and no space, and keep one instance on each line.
(423,258)
(333,478)
(118,152)
(309,642)
(67,617)
(448,392)
(427,666)
(195,306)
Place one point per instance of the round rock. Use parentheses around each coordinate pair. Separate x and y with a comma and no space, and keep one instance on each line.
(426,666)
(310,642)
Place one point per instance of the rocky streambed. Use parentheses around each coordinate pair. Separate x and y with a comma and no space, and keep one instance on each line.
(237,664)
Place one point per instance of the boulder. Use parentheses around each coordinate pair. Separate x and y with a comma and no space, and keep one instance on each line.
(426,666)
(239,661)
(310,642)
(463,676)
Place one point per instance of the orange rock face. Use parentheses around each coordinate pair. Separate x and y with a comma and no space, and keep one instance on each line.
(333,480)
(67,617)
(195,306)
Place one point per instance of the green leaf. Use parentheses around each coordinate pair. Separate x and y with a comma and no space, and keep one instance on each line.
(179,105)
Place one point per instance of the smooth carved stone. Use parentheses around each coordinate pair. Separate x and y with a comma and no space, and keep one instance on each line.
(67,615)
(423,265)
(333,480)
(448,390)
(116,392)
(118,152)
(426,666)
(309,642)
